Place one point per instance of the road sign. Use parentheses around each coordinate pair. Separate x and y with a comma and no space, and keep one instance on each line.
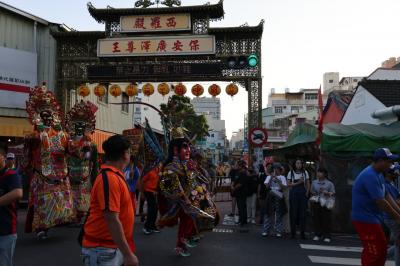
(258,137)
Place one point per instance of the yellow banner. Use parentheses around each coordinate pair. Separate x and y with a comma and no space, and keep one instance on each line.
(148,23)
(157,46)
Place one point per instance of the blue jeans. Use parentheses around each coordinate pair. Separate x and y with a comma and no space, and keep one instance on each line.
(102,257)
(7,247)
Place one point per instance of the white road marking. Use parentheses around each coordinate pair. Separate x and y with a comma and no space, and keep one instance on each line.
(222,230)
(340,261)
(331,248)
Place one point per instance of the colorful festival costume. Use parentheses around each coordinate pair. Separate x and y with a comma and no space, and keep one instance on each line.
(184,197)
(80,122)
(50,201)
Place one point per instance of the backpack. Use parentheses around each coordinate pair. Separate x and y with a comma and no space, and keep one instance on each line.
(82,230)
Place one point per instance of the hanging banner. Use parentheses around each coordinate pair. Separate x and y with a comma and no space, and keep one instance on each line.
(149,23)
(157,46)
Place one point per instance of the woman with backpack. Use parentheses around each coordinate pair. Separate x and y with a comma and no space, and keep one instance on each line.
(299,184)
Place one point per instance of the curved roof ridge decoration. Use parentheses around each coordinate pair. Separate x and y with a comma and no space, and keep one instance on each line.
(101,15)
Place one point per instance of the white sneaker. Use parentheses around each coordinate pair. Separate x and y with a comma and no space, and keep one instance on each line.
(316,238)
(278,235)
(264,234)
(327,240)
(253,221)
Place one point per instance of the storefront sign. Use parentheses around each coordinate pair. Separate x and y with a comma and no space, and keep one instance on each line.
(141,71)
(149,23)
(158,46)
(18,73)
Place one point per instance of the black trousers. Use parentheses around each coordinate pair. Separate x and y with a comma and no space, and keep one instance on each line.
(152,210)
(322,220)
(242,207)
(298,208)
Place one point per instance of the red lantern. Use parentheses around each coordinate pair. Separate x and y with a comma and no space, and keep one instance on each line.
(131,90)
(232,89)
(99,90)
(163,89)
(214,90)
(197,90)
(83,91)
(115,90)
(180,89)
(148,89)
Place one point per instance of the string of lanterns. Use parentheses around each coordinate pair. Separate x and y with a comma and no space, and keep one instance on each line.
(163,88)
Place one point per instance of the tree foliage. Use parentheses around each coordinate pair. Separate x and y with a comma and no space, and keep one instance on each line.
(180,113)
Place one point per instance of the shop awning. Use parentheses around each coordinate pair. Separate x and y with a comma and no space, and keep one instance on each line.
(14,127)
(360,139)
(99,137)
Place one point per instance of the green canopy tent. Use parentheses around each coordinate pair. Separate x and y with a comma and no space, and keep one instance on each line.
(346,150)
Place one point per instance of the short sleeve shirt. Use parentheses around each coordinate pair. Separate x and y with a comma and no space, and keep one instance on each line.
(9,180)
(368,187)
(318,186)
(275,183)
(109,194)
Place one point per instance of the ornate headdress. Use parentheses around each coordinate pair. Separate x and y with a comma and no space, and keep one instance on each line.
(82,112)
(41,100)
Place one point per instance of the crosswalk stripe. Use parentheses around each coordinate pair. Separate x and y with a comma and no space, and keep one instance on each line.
(340,261)
(222,230)
(331,248)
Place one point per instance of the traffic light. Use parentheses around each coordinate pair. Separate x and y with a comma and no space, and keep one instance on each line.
(240,62)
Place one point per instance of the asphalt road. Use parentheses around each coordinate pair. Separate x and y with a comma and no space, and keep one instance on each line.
(227,245)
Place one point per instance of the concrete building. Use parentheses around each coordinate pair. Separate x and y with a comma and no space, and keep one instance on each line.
(207,106)
(333,83)
(237,140)
(27,58)
(288,103)
(330,82)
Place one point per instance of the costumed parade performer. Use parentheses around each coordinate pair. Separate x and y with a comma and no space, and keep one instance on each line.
(50,199)
(182,198)
(80,123)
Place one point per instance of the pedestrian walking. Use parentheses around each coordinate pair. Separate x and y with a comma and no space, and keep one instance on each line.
(10,193)
(108,230)
(299,184)
(241,188)
(251,201)
(233,175)
(276,206)
(393,195)
(150,186)
(132,176)
(323,192)
(368,205)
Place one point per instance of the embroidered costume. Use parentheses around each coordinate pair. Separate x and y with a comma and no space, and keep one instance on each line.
(80,123)
(50,201)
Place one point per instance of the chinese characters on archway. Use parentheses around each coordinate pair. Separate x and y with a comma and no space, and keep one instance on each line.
(138,46)
(149,23)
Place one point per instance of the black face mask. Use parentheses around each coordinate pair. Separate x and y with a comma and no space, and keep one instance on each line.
(47,118)
(80,129)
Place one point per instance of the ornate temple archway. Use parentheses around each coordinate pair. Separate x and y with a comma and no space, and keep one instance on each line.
(111,55)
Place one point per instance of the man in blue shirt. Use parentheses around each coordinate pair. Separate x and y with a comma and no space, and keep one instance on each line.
(393,196)
(368,205)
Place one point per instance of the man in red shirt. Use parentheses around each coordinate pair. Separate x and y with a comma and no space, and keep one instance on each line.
(10,193)
(150,185)
(108,231)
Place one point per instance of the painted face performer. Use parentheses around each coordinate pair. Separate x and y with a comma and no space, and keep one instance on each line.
(82,155)
(176,186)
(50,201)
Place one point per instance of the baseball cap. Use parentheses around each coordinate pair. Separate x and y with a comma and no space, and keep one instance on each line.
(384,153)
(10,155)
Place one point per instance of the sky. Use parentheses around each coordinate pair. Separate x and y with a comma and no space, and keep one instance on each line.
(302,39)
